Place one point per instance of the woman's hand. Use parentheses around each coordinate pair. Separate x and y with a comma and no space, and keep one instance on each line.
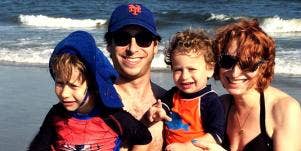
(207,146)
(188,146)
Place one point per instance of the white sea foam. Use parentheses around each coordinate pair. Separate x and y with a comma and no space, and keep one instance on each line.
(41,55)
(45,21)
(274,25)
(158,62)
(288,61)
(25,56)
(279,25)
(284,65)
(221,17)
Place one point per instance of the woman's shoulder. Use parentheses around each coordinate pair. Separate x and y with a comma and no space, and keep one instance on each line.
(282,105)
(279,98)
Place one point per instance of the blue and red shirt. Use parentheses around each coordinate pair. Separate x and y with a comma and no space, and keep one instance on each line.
(63,130)
(193,115)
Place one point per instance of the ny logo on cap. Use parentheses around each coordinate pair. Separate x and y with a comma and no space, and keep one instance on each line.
(134,9)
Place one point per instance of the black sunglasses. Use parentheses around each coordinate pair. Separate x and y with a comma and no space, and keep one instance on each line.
(228,62)
(143,38)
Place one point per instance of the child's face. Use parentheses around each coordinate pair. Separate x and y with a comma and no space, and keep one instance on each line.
(71,92)
(190,72)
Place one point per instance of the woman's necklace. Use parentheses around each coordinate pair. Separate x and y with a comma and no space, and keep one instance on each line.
(242,125)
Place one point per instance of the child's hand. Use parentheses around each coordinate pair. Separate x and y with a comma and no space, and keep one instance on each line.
(157,113)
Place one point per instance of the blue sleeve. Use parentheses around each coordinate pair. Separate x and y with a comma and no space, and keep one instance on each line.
(213,117)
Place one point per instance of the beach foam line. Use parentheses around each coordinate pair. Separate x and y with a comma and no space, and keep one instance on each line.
(40,56)
(25,56)
(222,17)
(46,21)
(284,67)
(278,25)
(29,57)
(274,24)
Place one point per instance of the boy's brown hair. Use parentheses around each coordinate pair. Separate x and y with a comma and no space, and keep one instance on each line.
(190,41)
(62,66)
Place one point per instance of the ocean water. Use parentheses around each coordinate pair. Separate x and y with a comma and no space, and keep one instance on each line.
(30,29)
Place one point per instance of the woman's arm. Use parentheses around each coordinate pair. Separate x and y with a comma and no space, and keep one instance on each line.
(207,145)
(287,130)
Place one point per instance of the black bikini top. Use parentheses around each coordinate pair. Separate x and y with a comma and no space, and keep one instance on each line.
(262,142)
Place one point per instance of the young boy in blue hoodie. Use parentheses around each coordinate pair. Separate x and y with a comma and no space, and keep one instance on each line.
(89,115)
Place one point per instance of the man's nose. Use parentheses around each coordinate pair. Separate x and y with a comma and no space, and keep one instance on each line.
(133,47)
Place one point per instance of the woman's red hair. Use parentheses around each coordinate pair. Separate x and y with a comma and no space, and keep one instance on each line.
(253,45)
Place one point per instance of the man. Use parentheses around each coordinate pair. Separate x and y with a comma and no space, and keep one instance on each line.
(132,41)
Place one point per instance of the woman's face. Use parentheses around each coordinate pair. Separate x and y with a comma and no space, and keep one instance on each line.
(235,80)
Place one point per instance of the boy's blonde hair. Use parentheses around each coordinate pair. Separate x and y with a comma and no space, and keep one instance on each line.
(63,65)
(190,41)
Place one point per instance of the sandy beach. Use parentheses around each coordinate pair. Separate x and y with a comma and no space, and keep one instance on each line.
(27,94)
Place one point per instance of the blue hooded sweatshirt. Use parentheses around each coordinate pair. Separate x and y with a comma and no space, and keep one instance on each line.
(83,45)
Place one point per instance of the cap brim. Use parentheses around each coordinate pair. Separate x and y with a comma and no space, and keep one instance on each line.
(133,21)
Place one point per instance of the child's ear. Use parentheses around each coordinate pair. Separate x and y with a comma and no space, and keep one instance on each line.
(210,69)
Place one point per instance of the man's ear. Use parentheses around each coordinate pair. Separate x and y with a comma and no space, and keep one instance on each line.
(156,46)
(110,50)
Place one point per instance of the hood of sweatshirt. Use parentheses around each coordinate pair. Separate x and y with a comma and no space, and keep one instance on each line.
(83,45)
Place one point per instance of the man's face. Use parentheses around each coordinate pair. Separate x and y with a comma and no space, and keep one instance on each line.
(132,51)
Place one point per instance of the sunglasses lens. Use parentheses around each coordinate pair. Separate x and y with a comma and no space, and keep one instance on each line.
(249,67)
(122,38)
(227,61)
(144,39)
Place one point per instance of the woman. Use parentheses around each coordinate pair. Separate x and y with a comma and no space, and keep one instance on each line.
(259,116)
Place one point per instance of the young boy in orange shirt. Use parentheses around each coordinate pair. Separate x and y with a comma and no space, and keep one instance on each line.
(194,110)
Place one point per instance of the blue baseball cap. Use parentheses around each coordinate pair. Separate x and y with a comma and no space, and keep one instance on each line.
(132,14)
